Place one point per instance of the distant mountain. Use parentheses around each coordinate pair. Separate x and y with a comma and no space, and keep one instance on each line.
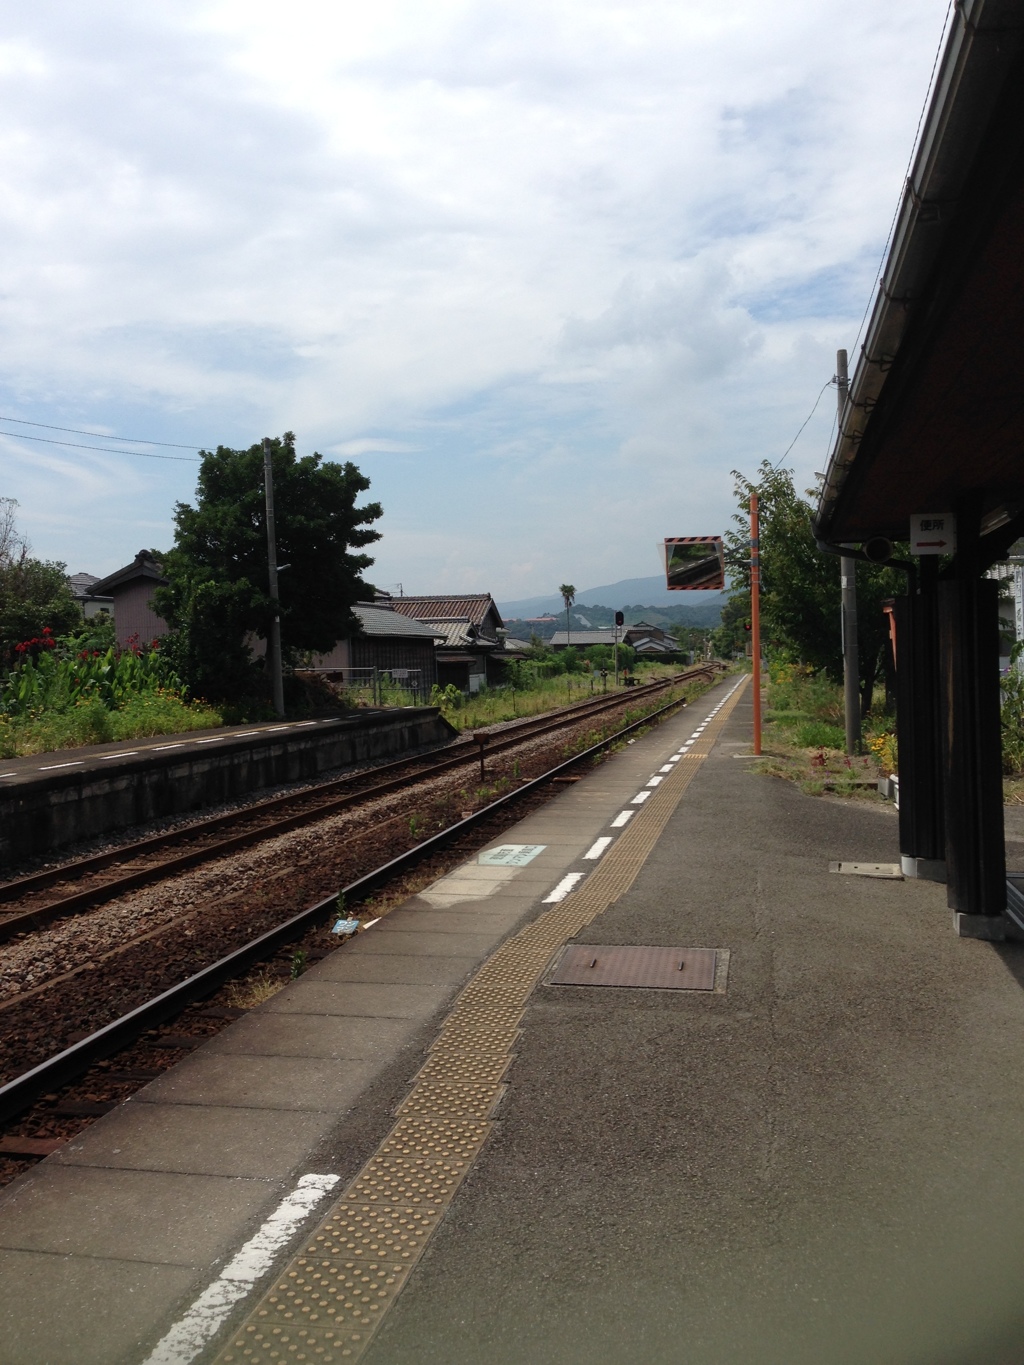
(628,592)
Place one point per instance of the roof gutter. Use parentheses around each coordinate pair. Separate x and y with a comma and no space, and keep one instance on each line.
(983,42)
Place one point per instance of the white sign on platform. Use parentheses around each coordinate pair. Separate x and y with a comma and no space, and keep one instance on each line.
(933,533)
(510,855)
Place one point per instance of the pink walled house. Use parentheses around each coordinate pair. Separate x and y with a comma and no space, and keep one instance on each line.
(131,590)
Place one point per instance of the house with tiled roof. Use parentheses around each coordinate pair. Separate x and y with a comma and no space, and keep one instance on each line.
(83,587)
(387,643)
(471,651)
(130,591)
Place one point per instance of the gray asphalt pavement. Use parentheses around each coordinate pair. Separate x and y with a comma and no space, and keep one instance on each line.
(824,1164)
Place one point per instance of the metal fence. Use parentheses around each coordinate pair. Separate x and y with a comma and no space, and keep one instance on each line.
(379,686)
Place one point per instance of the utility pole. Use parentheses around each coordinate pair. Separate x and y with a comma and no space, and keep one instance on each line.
(848,580)
(274,643)
(755,617)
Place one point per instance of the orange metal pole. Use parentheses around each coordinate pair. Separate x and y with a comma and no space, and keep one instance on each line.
(755,618)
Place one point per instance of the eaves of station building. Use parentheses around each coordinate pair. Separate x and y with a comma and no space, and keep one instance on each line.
(932,424)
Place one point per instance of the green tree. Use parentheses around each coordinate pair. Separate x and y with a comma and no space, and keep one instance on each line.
(34,593)
(568,591)
(732,635)
(800,589)
(218,596)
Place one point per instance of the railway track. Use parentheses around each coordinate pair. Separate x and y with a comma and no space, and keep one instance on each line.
(22,1091)
(29,903)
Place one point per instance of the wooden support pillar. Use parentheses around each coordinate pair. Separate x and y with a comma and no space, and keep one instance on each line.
(972,751)
(918,724)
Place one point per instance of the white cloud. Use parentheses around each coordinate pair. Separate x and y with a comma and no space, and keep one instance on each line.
(371,445)
(544,248)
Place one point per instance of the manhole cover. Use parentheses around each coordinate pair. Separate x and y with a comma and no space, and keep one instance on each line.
(672,969)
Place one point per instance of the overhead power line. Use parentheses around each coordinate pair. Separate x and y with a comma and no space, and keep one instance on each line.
(906,175)
(110,450)
(100,435)
(827,384)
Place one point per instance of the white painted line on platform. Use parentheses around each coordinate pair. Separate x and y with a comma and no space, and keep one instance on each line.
(666,768)
(128,753)
(640,798)
(8,774)
(371,922)
(191,1333)
(271,728)
(300,723)
(622,818)
(157,747)
(242,734)
(214,739)
(563,888)
(675,758)
(656,781)
(50,767)
(598,846)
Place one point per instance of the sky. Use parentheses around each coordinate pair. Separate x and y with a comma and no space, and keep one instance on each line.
(545,271)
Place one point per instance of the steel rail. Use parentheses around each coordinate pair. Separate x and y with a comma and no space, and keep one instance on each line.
(56,1071)
(95,862)
(77,901)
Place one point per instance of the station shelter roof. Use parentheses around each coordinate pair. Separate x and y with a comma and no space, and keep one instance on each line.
(934,408)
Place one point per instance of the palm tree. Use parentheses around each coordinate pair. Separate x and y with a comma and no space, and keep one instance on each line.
(568,592)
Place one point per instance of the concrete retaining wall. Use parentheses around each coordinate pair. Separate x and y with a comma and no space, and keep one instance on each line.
(52,811)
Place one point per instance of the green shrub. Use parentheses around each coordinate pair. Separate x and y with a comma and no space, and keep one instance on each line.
(1013,723)
(817,734)
(60,696)
(52,678)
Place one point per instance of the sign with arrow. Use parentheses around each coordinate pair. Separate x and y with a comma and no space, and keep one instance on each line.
(933,533)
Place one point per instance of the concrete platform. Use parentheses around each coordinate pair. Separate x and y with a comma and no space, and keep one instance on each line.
(308,1082)
(48,801)
(821,1160)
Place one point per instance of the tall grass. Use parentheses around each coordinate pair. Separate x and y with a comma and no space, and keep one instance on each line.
(807,710)
(796,693)
(491,706)
(1013,723)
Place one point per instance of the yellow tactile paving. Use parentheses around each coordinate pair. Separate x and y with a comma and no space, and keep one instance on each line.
(330,1298)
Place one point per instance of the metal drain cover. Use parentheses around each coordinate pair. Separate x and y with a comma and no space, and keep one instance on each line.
(672,969)
(890,871)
